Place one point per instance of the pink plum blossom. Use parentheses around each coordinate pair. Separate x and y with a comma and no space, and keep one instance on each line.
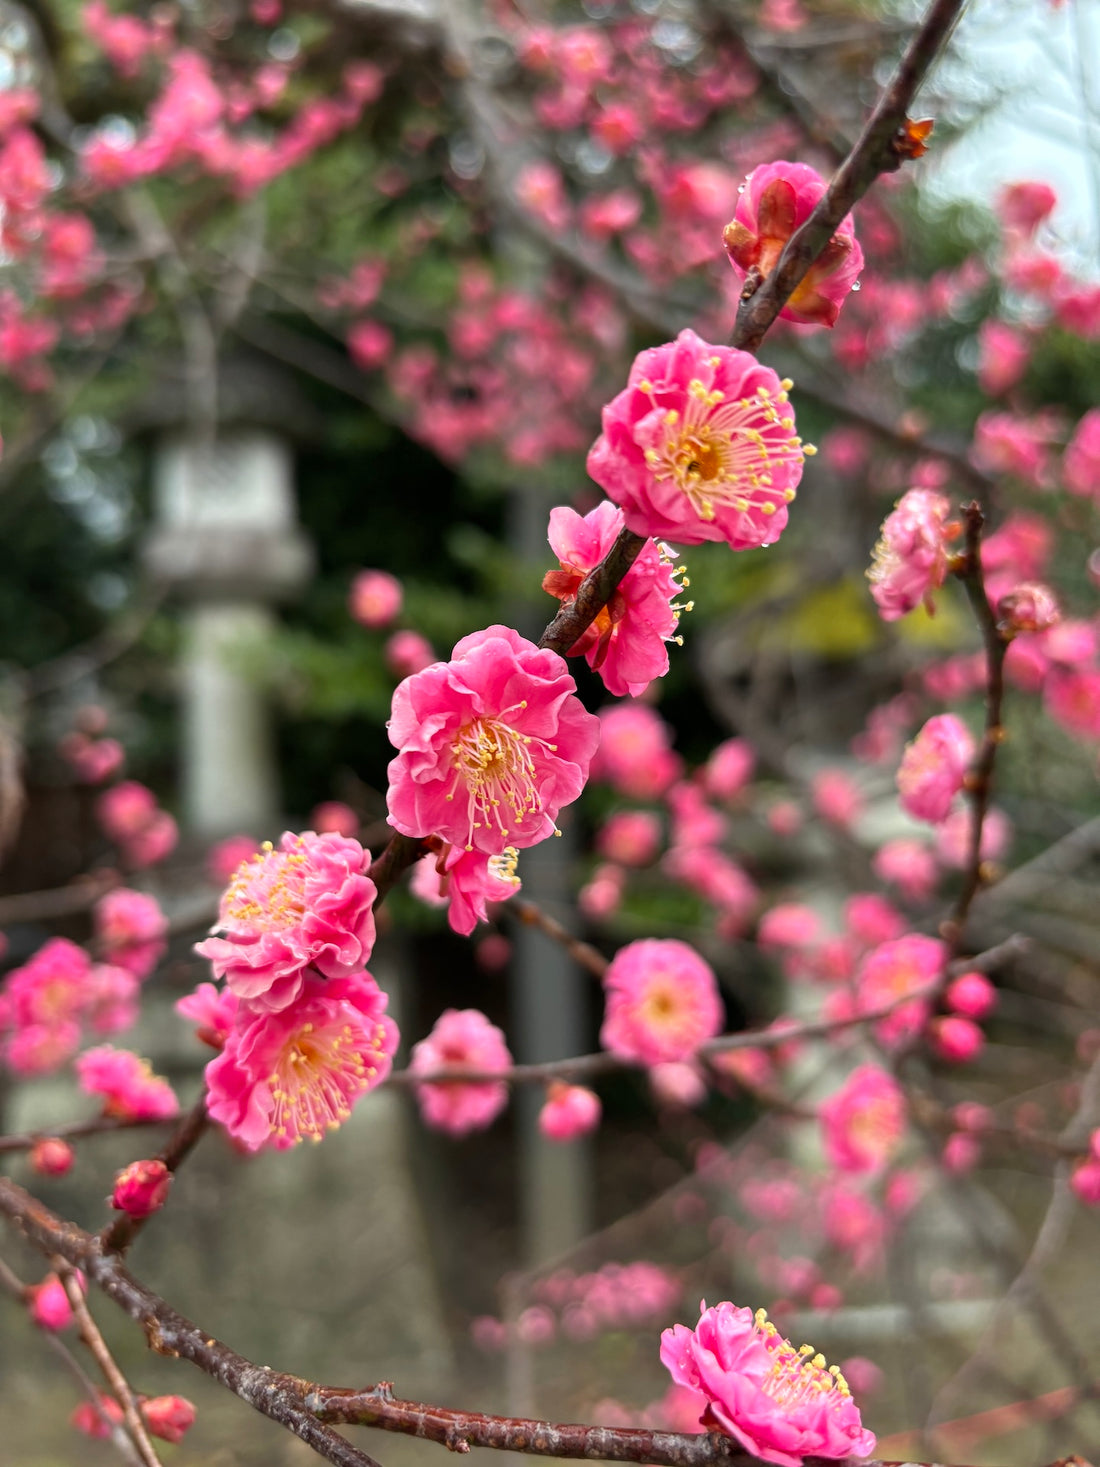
(131,929)
(49,1305)
(125,809)
(295,1074)
(51,1157)
(491,744)
(635,754)
(699,446)
(214,1010)
(1028,607)
(630,837)
(1081,463)
(906,968)
(864,1121)
(602,893)
(837,797)
(223,858)
(775,1401)
(953,837)
(153,843)
(335,818)
(462,1039)
(141,1188)
(127,1084)
(468,880)
(307,903)
(49,988)
(871,919)
(777,198)
(1007,444)
(627,642)
(1085,1182)
(407,652)
(971,994)
(1023,206)
(674,1082)
(92,760)
(910,559)
(168,1417)
(569,1111)
(1003,357)
(371,346)
(375,598)
(934,767)
(662,1002)
(729,769)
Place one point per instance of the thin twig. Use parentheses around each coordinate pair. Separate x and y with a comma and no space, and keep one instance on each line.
(74,1130)
(117,1236)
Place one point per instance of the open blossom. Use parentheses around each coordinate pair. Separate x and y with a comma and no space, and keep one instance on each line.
(729,769)
(626,644)
(662,1002)
(127,1084)
(461,1039)
(465,881)
(1004,354)
(131,929)
(777,199)
(864,1121)
(375,598)
(309,902)
(635,754)
(491,744)
(49,988)
(934,767)
(295,1074)
(910,559)
(213,1010)
(778,1402)
(908,967)
(630,837)
(700,445)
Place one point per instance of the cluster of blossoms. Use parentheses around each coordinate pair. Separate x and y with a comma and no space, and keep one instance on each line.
(581,1307)
(131,818)
(301,1026)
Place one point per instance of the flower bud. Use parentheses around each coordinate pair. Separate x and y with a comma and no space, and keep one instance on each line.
(971,994)
(570,1111)
(51,1157)
(955,1039)
(49,1304)
(141,1188)
(1031,607)
(168,1417)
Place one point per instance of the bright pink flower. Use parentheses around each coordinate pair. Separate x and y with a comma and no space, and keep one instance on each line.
(1023,206)
(910,559)
(111,998)
(124,39)
(971,994)
(375,598)
(51,1157)
(1007,444)
(309,903)
(871,919)
(152,843)
(630,837)
(371,346)
(142,1188)
(127,1084)
(626,644)
(214,1010)
(491,744)
(541,192)
(662,1002)
(789,925)
(333,817)
(1028,607)
(50,987)
(908,966)
(462,1039)
(295,1074)
(837,797)
(131,929)
(168,1417)
(96,1421)
(777,199)
(468,880)
(407,652)
(39,1049)
(570,1111)
(635,754)
(126,809)
(49,1304)
(953,837)
(956,1039)
(700,446)
(1085,1182)
(92,760)
(729,769)
(694,823)
(863,1123)
(715,877)
(934,767)
(1081,464)
(779,1403)
(602,215)
(1003,359)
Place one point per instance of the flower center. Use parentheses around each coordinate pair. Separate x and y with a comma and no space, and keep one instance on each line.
(724,455)
(496,765)
(660,1006)
(315,1077)
(267,892)
(796,1376)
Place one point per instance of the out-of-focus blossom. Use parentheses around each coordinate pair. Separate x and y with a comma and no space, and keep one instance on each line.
(934,767)
(462,1039)
(375,598)
(662,1002)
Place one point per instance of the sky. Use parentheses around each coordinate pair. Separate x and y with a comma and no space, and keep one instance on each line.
(1045,61)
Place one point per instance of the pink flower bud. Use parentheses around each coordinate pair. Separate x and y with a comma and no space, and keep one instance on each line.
(141,1188)
(971,1115)
(335,817)
(677,1083)
(570,1111)
(1085,1181)
(962,1152)
(51,1157)
(49,1304)
(1031,607)
(955,1039)
(97,1422)
(408,653)
(168,1417)
(375,598)
(971,994)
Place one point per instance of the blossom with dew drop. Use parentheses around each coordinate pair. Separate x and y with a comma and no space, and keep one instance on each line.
(492,744)
(780,1403)
(295,1074)
(700,445)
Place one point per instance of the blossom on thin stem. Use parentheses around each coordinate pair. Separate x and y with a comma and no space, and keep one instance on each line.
(700,445)
(461,1039)
(910,559)
(934,767)
(863,1122)
(662,1002)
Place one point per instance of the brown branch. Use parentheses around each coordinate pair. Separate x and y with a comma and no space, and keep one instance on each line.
(117,1236)
(104,1125)
(120,1386)
(876,151)
(979,781)
(57,901)
(583,953)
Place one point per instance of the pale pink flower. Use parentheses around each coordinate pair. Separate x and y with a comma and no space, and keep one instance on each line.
(569,1111)
(908,967)
(717,878)
(662,1002)
(1081,464)
(729,769)
(126,809)
(852,1223)
(92,760)
(335,818)
(789,925)
(155,841)
(1023,206)
(934,767)
(956,1039)
(462,1039)
(295,1074)
(779,1403)
(223,858)
(871,919)
(602,215)
(971,994)
(407,652)
(1007,444)
(635,754)
(1003,357)
(863,1123)
(141,1188)
(626,644)
(700,445)
(602,893)
(953,837)
(837,797)
(375,598)
(111,998)
(1028,607)
(127,1084)
(910,559)
(309,903)
(131,929)
(214,1010)
(491,745)
(694,822)
(674,1082)
(630,837)
(777,198)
